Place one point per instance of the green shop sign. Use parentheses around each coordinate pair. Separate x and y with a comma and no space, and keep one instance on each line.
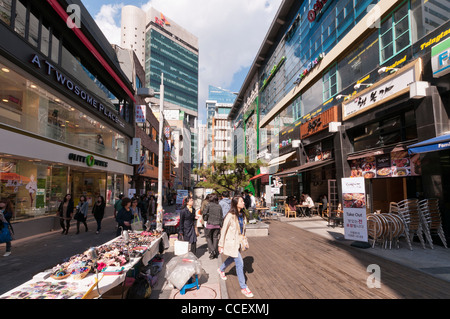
(89,160)
(272,73)
(440,58)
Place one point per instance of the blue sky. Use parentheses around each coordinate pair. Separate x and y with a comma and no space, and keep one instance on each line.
(230,33)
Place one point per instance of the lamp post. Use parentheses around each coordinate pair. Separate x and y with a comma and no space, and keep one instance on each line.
(147,92)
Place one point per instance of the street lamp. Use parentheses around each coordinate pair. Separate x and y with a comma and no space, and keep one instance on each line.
(148,92)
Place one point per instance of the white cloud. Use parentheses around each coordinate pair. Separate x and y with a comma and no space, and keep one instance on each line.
(230,33)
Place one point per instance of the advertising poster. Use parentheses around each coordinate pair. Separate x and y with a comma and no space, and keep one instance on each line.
(354,198)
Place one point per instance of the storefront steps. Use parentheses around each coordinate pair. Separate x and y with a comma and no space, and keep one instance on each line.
(434,262)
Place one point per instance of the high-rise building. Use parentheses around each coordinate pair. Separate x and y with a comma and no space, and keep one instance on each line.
(218,106)
(163,46)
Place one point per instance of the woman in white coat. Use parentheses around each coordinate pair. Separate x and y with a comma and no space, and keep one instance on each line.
(233,226)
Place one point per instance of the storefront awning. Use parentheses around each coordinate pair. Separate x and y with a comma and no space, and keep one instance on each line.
(257,176)
(433,144)
(304,168)
(365,154)
(281,159)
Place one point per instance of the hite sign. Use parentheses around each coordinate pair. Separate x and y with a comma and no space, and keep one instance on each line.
(89,160)
(68,84)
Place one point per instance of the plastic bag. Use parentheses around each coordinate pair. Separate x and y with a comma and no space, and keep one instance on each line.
(181,268)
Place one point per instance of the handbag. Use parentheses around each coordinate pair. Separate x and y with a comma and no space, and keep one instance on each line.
(78,216)
(243,242)
(136,225)
(5,233)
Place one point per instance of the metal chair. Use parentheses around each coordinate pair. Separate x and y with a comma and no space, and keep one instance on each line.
(431,219)
(408,210)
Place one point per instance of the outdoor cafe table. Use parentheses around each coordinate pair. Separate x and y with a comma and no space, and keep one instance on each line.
(85,288)
(302,209)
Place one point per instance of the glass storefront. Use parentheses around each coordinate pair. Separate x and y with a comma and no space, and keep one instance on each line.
(36,188)
(27,105)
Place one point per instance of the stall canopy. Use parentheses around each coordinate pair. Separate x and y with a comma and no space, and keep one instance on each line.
(304,168)
(281,159)
(433,144)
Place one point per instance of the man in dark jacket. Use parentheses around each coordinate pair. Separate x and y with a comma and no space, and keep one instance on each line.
(247,200)
(214,219)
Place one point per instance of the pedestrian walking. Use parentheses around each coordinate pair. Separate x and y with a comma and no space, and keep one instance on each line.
(188,225)
(124,216)
(214,220)
(233,227)
(225,203)
(6,213)
(98,210)
(82,211)
(118,205)
(65,212)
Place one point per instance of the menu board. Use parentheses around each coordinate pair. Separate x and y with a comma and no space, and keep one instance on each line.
(394,164)
(354,198)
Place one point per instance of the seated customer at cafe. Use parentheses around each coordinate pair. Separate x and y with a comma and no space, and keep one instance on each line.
(307,201)
(291,201)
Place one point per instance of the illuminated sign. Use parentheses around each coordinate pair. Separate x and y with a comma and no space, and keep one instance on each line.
(89,160)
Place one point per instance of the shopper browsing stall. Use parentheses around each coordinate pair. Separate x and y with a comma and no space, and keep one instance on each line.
(124,216)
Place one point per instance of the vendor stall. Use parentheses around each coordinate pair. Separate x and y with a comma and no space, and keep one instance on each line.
(106,264)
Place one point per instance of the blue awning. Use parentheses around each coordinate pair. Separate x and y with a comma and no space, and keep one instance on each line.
(433,144)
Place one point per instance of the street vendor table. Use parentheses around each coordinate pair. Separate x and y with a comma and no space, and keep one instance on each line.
(43,286)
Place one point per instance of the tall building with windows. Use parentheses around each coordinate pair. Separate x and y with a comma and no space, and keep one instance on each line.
(218,106)
(349,88)
(163,46)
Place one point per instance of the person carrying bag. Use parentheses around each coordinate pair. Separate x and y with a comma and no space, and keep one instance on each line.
(6,230)
(232,231)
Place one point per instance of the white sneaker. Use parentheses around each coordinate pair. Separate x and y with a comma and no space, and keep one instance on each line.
(221,274)
(247,292)
(7,254)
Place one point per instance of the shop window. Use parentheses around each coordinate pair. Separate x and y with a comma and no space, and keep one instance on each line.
(33,30)
(55,48)
(45,39)
(5,11)
(394,34)
(20,18)
(330,83)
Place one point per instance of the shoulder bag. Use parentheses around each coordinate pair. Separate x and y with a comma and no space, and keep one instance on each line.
(243,241)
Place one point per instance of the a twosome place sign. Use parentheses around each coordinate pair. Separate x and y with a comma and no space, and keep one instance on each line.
(89,160)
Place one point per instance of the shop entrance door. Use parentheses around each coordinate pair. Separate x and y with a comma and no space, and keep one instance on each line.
(89,184)
(386,190)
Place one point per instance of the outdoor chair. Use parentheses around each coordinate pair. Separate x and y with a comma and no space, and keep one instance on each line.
(288,211)
(408,210)
(431,219)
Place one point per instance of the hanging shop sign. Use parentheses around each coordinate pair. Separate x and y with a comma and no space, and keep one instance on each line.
(316,10)
(440,58)
(319,122)
(140,113)
(68,84)
(89,160)
(311,65)
(285,139)
(354,202)
(387,89)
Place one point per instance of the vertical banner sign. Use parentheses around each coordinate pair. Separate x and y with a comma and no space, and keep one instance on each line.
(355,220)
(140,113)
(135,151)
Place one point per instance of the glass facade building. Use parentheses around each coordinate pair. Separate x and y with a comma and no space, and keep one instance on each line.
(179,65)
